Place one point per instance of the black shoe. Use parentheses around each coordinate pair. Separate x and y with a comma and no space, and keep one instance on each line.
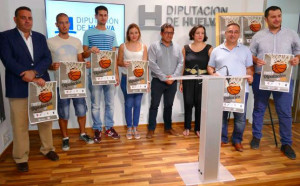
(288,151)
(51,155)
(254,143)
(22,167)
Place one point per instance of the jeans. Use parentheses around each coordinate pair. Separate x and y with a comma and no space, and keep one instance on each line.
(239,125)
(283,104)
(132,102)
(159,88)
(96,91)
(63,107)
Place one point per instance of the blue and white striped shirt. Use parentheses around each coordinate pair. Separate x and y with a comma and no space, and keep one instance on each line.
(102,39)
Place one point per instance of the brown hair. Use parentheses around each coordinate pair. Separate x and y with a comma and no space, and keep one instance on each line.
(132,25)
(193,30)
(166,25)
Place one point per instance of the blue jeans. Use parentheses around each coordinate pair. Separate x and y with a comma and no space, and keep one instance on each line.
(283,105)
(132,101)
(159,88)
(96,91)
(63,107)
(239,125)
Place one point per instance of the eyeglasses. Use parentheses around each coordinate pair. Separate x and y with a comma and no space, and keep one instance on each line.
(168,33)
(231,32)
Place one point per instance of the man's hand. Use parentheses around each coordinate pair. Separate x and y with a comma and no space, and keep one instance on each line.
(28,75)
(216,74)
(95,50)
(55,66)
(117,81)
(260,62)
(294,61)
(88,64)
(250,79)
(41,82)
(169,82)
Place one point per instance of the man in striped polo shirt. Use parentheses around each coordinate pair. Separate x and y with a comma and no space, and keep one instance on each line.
(94,40)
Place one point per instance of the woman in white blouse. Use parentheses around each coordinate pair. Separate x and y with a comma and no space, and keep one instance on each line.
(131,50)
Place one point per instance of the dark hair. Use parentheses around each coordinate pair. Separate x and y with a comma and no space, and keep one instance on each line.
(21,8)
(230,24)
(166,25)
(100,8)
(193,31)
(61,15)
(132,25)
(273,8)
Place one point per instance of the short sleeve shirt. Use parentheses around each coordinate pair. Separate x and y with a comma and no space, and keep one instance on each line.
(236,60)
(102,39)
(64,50)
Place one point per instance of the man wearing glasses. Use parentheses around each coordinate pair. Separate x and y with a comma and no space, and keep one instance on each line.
(237,59)
(165,61)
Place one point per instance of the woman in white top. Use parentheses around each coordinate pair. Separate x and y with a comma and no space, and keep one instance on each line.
(131,50)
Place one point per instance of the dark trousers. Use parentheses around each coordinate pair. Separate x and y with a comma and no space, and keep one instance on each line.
(192,93)
(159,88)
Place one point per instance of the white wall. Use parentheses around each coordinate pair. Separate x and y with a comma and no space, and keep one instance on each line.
(8,7)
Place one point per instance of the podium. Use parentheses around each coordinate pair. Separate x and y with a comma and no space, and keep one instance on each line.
(209,167)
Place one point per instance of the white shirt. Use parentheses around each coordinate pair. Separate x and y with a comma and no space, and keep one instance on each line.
(28,42)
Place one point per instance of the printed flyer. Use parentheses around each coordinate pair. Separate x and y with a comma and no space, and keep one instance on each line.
(42,102)
(103,68)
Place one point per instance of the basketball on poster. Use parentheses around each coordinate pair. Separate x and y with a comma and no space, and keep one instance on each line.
(42,102)
(72,80)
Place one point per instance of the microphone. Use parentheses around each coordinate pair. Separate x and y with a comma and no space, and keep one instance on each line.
(227,71)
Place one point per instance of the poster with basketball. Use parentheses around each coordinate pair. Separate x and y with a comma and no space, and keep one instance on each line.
(137,77)
(103,68)
(276,73)
(72,80)
(234,95)
(226,20)
(42,102)
(251,25)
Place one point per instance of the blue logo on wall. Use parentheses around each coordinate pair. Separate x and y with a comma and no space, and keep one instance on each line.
(71,30)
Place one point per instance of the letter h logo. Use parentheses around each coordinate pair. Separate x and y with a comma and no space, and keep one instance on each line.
(156,15)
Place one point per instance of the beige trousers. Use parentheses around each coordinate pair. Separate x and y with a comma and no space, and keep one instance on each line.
(20,125)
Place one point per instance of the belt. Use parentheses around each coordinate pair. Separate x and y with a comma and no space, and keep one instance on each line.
(194,71)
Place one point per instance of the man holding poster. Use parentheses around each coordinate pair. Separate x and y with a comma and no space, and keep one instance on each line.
(26,58)
(94,40)
(65,48)
(274,40)
(232,58)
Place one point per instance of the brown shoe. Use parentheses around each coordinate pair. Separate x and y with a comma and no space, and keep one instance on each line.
(150,134)
(223,144)
(172,132)
(238,147)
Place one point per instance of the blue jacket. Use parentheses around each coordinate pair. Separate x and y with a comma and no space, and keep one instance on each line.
(16,58)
